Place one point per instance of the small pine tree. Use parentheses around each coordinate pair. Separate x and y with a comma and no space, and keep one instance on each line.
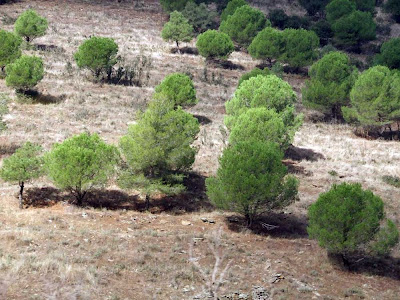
(25,72)
(172,5)
(98,54)
(30,25)
(267,45)
(21,167)
(314,7)
(337,9)
(9,48)
(200,17)
(179,89)
(81,163)
(231,8)
(251,180)
(214,44)
(390,54)
(254,73)
(177,29)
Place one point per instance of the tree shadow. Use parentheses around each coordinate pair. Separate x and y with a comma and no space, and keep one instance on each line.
(294,168)
(274,224)
(45,99)
(44,197)
(185,50)
(8,149)
(228,65)
(202,119)
(112,200)
(49,48)
(299,154)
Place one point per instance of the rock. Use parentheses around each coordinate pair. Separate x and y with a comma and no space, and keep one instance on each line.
(204,219)
(186,223)
(84,215)
(211,221)
(243,296)
(259,293)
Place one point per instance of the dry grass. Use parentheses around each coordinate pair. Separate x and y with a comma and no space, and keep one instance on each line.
(64,252)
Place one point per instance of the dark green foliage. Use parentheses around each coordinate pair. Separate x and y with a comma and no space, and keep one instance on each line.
(172,5)
(347,218)
(297,22)
(244,24)
(253,73)
(179,89)
(375,98)
(314,7)
(9,48)
(267,45)
(278,18)
(331,79)
(231,8)
(393,7)
(338,9)
(214,44)
(390,54)
(392,180)
(365,5)
(177,29)
(81,163)
(324,31)
(30,25)
(251,180)
(24,73)
(385,239)
(354,28)
(300,47)
(200,17)
(98,54)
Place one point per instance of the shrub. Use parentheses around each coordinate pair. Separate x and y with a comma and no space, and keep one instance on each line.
(297,22)
(98,54)
(331,79)
(354,28)
(23,166)
(177,29)
(270,92)
(244,24)
(251,180)
(338,9)
(324,31)
(264,125)
(172,5)
(179,89)
(253,73)
(231,8)
(278,18)
(157,149)
(30,25)
(390,54)
(314,7)
(214,44)
(24,73)
(9,48)
(81,163)
(267,45)
(300,47)
(393,7)
(365,5)
(346,219)
(200,17)
(374,98)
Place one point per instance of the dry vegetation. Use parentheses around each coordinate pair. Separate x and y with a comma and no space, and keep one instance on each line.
(111,250)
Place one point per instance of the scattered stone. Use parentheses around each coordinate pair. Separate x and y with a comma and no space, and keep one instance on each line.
(211,221)
(243,296)
(84,215)
(204,220)
(259,293)
(276,278)
(186,223)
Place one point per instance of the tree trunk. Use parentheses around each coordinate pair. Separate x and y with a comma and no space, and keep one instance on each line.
(21,191)
(147,202)
(27,39)
(177,46)
(79,197)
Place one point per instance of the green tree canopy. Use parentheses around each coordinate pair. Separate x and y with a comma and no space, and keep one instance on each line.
(374,98)
(214,44)
(179,89)
(30,25)
(231,8)
(331,79)
(9,48)
(98,54)
(390,54)
(278,18)
(244,24)
(365,5)
(172,5)
(324,31)
(253,73)
(337,9)
(300,47)
(81,163)
(177,29)
(267,45)
(314,7)
(251,180)
(200,17)
(347,218)
(25,72)
(24,165)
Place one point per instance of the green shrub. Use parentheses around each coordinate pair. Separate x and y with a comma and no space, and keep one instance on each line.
(374,98)
(393,7)
(231,8)
(214,44)
(9,48)
(23,166)
(179,89)
(81,163)
(172,5)
(365,5)
(278,18)
(390,54)
(347,218)
(30,25)
(331,80)
(200,17)
(337,9)
(392,180)
(267,45)
(324,31)
(244,24)
(24,73)
(297,22)
(314,7)
(177,29)
(253,73)
(251,180)
(98,54)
